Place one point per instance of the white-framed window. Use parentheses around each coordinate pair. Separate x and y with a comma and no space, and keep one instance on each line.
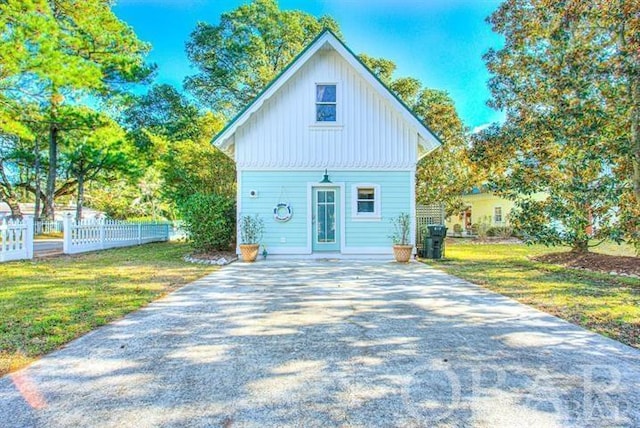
(366,202)
(497,215)
(326,103)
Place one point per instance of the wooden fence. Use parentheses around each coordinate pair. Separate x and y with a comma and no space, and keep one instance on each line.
(16,239)
(91,235)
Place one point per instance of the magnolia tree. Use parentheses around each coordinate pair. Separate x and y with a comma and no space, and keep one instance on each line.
(567,79)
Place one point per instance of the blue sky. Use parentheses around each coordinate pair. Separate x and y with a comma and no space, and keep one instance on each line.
(440,42)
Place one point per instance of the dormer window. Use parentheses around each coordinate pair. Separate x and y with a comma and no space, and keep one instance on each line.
(326,103)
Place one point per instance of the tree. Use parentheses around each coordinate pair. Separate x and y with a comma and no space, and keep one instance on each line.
(8,153)
(238,57)
(445,174)
(567,79)
(99,155)
(176,138)
(56,51)
(163,112)
(196,166)
(253,43)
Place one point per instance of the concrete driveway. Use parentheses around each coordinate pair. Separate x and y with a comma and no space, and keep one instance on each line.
(330,344)
(47,246)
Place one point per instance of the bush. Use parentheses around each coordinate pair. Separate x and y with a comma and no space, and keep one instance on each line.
(457,228)
(503,232)
(481,228)
(209,221)
(401,228)
(251,229)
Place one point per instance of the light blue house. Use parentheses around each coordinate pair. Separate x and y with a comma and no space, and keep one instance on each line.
(326,112)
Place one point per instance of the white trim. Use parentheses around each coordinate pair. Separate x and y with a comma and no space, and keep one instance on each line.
(285,250)
(369,250)
(310,186)
(321,169)
(412,211)
(238,207)
(376,215)
(224,140)
(331,257)
(493,216)
(327,124)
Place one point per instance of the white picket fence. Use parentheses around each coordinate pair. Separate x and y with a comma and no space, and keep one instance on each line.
(48,227)
(16,239)
(91,235)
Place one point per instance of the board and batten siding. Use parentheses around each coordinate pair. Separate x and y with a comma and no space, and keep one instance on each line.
(369,132)
(292,187)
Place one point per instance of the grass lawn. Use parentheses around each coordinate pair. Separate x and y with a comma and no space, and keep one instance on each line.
(600,302)
(46,303)
(50,235)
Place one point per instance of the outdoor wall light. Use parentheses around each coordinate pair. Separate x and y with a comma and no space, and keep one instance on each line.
(325,179)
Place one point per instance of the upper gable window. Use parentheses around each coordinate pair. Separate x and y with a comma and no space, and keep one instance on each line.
(326,103)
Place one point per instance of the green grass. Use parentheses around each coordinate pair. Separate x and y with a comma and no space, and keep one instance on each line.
(603,303)
(50,235)
(614,249)
(46,303)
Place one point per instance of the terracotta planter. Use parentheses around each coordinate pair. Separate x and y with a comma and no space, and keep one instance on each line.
(249,252)
(402,253)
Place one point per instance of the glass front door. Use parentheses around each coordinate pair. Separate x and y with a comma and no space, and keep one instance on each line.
(325,219)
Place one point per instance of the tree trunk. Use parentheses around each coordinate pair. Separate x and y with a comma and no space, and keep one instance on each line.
(635,134)
(630,72)
(80,199)
(580,247)
(49,210)
(16,213)
(36,174)
(8,194)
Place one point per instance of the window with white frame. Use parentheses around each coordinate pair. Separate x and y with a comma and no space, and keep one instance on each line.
(497,214)
(366,201)
(326,103)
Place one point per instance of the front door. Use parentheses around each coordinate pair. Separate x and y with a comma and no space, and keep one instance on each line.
(326,214)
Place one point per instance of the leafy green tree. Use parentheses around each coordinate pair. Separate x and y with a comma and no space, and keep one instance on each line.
(443,176)
(56,51)
(114,198)
(253,43)
(9,152)
(176,138)
(149,202)
(567,79)
(238,57)
(96,156)
(163,112)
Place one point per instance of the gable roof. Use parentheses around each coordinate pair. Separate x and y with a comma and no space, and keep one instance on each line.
(427,139)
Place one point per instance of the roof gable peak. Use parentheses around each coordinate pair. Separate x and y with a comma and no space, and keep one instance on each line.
(428,141)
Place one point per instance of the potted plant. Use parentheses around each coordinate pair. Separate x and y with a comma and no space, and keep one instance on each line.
(251,229)
(402,249)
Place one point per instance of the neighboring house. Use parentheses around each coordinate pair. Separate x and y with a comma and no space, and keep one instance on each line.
(481,207)
(28,209)
(326,112)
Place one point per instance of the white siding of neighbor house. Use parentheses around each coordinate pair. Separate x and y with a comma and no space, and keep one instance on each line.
(369,133)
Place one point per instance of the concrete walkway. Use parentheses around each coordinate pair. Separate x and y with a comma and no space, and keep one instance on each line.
(330,344)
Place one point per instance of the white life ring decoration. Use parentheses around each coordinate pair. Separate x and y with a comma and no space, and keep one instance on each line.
(282,212)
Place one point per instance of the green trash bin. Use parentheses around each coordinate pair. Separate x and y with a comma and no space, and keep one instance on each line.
(434,242)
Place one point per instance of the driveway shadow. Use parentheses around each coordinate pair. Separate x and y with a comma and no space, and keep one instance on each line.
(330,344)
